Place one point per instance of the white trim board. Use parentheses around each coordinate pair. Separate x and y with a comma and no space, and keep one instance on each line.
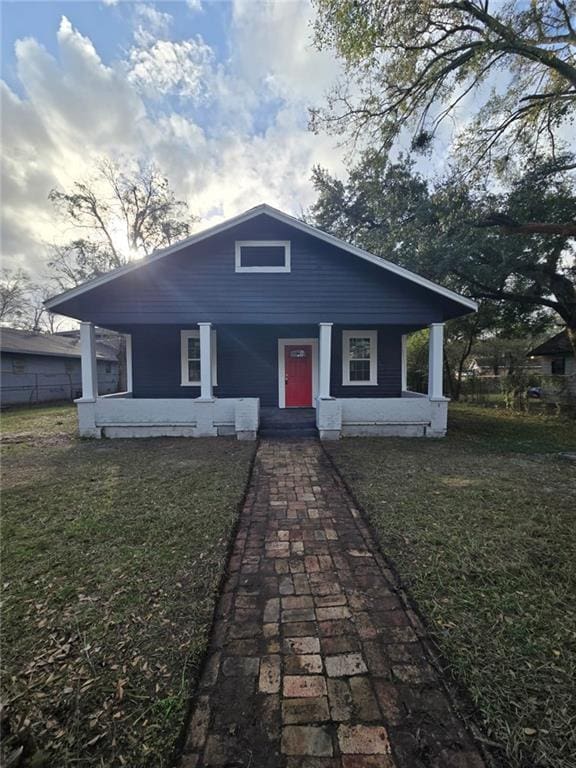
(285,218)
(282,343)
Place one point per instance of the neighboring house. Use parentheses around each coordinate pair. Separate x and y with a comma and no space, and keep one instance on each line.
(557,359)
(37,368)
(484,368)
(106,340)
(266,311)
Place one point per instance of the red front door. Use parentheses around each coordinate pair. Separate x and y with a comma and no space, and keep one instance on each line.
(298,375)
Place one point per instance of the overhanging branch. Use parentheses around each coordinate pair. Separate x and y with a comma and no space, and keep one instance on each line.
(510,227)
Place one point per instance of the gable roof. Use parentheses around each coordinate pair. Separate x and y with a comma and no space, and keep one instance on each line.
(556,345)
(285,218)
(21,342)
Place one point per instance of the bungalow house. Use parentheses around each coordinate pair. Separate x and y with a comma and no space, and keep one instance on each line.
(557,359)
(39,367)
(262,311)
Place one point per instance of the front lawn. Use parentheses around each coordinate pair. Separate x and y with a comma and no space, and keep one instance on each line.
(481,528)
(112,552)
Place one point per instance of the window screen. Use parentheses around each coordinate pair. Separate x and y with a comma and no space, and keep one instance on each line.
(262,256)
(359,359)
(193,358)
(359,351)
(190,357)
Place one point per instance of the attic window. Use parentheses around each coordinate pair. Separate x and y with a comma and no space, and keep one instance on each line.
(262,256)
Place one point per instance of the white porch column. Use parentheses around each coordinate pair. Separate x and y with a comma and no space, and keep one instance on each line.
(129,380)
(325,355)
(89,366)
(205,361)
(404,364)
(435,361)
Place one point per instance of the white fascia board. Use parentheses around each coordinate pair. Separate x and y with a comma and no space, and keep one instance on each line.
(285,219)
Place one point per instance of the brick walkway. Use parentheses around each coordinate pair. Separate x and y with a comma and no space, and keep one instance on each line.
(314,661)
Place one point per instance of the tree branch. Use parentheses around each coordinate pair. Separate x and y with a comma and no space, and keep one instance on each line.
(511,227)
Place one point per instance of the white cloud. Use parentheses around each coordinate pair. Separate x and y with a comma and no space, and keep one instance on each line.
(175,68)
(77,96)
(150,24)
(275,44)
(237,136)
(194,5)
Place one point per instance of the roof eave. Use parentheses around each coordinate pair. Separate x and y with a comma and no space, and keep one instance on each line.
(36,353)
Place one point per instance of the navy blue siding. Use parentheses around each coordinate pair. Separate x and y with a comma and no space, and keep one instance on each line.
(247,360)
(199,283)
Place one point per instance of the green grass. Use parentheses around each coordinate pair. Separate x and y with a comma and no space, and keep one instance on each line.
(112,552)
(481,527)
(503,430)
(26,422)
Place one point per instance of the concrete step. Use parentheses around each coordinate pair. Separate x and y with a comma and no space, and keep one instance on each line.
(288,432)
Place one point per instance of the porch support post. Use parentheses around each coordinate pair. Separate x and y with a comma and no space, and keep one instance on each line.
(325,354)
(404,364)
(435,361)
(129,379)
(89,365)
(205,361)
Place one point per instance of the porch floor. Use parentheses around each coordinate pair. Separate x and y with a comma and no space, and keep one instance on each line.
(287,422)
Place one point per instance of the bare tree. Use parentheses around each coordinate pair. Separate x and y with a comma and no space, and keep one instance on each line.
(15,295)
(41,319)
(117,216)
(22,303)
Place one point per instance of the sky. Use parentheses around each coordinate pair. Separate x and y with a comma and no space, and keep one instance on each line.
(214,93)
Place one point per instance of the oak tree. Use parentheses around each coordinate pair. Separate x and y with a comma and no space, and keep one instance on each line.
(411,66)
(523,281)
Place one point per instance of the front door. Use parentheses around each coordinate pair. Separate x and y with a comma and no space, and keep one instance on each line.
(298,375)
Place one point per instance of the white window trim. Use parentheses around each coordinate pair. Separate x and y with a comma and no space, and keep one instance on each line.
(263,244)
(282,344)
(373,336)
(184,336)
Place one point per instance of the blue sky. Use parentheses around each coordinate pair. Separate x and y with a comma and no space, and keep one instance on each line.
(215,94)
(110,26)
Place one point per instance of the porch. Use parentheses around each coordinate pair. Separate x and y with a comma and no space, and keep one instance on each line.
(217,380)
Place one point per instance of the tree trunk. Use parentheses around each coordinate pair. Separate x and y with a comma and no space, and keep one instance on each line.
(458,381)
(571,331)
(449,378)
(463,357)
